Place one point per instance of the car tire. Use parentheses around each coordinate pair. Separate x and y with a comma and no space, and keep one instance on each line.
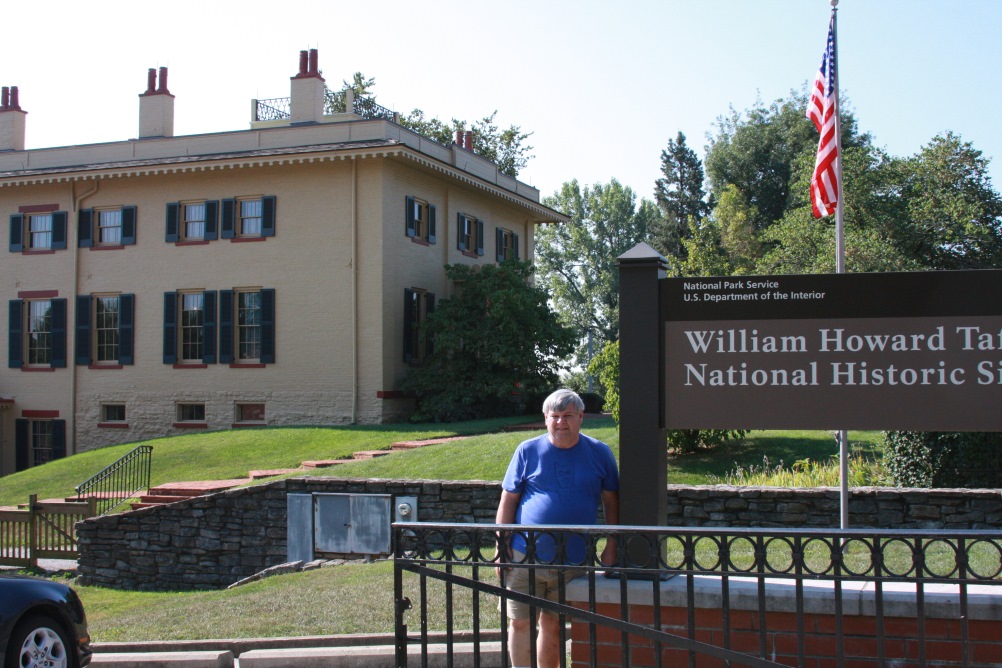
(39,642)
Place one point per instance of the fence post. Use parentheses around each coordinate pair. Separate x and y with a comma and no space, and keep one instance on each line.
(33,531)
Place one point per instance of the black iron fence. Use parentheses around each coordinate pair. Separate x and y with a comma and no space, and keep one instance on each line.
(720,596)
(119,481)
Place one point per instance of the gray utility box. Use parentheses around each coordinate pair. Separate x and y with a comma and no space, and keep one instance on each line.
(346,524)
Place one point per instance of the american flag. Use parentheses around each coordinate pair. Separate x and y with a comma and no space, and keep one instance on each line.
(826,180)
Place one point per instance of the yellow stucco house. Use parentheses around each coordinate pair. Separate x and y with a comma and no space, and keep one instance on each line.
(269,276)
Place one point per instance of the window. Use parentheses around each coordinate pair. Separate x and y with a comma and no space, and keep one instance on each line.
(248,218)
(418,304)
(247,326)
(470,235)
(189,336)
(36,333)
(38,441)
(41,231)
(191,412)
(192,323)
(507,245)
(192,222)
(103,228)
(420,218)
(104,330)
(112,412)
(250,412)
(39,333)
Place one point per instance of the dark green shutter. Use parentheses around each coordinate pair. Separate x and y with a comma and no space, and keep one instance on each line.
(409,323)
(15,333)
(499,240)
(431,224)
(128,225)
(126,328)
(209,327)
(22,445)
(268,207)
(85,228)
(514,246)
(58,439)
(170,328)
(460,243)
(59,219)
(228,226)
(173,213)
(83,347)
(480,237)
(211,220)
(268,326)
(58,333)
(16,232)
(429,308)
(409,217)
(225,326)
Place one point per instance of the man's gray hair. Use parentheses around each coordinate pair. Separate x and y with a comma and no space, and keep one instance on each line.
(562,400)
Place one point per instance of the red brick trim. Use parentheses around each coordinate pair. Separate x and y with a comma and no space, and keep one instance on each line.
(420,242)
(37,294)
(112,425)
(101,248)
(38,208)
(102,367)
(44,251)
(34,369)
(190,366)
(244,240)
(40,414)
(191,425)
(202,242)
(242,425)
(390,394)
(244,365)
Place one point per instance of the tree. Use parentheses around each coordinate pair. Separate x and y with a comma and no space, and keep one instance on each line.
(496,346)
(504,147)
(576,261)
(680,196)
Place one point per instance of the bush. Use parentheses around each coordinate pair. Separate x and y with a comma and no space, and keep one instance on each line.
(944,459)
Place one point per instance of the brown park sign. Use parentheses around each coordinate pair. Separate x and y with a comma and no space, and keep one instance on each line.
(910,351)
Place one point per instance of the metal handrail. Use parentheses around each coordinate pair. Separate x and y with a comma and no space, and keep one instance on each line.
(120,480)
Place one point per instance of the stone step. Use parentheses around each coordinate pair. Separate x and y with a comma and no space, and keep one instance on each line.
(371,454)
(324,463)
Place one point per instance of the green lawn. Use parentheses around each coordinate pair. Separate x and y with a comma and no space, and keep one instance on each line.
(287,605)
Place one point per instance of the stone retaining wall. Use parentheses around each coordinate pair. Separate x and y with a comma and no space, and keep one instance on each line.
(213,541)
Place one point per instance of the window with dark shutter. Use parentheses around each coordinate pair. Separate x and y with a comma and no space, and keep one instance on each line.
(16,232)
(15,334)
(85,228)
(126,316)
(170,328)
(82,343)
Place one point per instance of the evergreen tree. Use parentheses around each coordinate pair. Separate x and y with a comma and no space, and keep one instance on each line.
(680,196)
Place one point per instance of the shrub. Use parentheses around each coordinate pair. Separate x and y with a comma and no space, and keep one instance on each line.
(944,459)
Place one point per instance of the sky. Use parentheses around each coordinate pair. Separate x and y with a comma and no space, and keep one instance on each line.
(602,85)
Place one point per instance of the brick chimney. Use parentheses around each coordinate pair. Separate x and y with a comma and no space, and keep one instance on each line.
(156,107)
(12,119)
(307,104)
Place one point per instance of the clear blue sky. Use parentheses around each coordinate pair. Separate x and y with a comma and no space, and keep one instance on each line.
(603,85)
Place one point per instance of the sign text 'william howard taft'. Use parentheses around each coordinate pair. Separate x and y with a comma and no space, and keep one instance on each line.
(916,351)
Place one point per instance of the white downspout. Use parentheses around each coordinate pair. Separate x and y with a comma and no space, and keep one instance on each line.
(73,241)
(354,290)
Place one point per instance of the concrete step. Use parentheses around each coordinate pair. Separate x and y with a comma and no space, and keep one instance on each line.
(371,454)
(324,463)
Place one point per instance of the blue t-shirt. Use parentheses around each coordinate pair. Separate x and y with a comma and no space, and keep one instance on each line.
(559,486)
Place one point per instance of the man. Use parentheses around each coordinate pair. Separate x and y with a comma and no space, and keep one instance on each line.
(556,478)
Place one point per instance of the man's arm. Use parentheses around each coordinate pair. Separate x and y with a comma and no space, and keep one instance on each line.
(610,505)
(507,509)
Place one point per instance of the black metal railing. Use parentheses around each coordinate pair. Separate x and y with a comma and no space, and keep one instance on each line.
(755,597)
(274,109)
(119,481)
(335,102)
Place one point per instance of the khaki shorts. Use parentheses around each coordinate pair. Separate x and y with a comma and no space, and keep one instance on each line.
(547,585)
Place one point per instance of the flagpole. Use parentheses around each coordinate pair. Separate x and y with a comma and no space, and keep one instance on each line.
(842,436)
